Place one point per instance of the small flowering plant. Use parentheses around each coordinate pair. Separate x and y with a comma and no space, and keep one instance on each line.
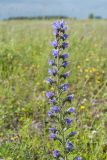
(59,97)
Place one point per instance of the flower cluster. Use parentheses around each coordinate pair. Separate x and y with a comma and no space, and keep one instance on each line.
(59,97)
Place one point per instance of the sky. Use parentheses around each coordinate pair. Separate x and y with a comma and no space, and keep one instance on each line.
(71,8)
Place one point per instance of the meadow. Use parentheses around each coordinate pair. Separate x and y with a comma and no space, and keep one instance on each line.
(24,53)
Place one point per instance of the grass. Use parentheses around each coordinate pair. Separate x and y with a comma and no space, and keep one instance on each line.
(24,51)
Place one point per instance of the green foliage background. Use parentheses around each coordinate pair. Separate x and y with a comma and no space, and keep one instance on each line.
(24,51)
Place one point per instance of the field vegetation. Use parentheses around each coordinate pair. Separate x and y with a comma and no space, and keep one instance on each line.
(24,53)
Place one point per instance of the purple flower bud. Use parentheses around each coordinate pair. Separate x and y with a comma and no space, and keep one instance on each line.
(55,53)
(70,110)
(64,45)
(72,134)
(69,147)
(54,44)
(61,23)
(64,37)
(53,130)
(64,64)
(50,114)
(58,25)
(56,32)
(52,72)
(49,95)
(70,97)
(64,56)
(64,28)
(65,75)
(55,109)
(68,121)
(53,136)
(51,62)
(49,80)
(56,153)
(53,100)
(64,87)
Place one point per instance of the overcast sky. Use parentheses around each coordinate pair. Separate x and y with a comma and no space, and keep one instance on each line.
(71,8)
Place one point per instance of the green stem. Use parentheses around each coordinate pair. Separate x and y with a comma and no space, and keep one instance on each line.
(60,114)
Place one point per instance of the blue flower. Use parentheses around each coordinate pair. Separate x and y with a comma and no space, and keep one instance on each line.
(55,53)
(52,72)
(56,153)
(53,130)
(51,62)
(64,64)
(64,37)
(50,114)
(69,98)
(65,75)
(53,100)
(72,134)
(64,45)
(56,97)
(55,109)
(49,80)
(64,56)
(49,95)
(70,110)
(53,136)
(69,147)
(58,25)
(68,121)
(54,44)
(64,87)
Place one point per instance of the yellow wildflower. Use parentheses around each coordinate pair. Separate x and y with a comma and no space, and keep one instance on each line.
(82,107)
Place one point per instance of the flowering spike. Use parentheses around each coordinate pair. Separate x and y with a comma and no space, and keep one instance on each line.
(57,102)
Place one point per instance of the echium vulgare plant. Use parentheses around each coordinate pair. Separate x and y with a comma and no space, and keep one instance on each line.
(59,98)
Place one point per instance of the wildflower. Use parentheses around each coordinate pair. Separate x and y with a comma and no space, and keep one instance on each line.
(51,62)
(54,44)
(70,110)
(64,87)
(64,56)
(53,136)
(55,109)
(52,72)
(53,100)
(49,80)
(82,107)
(69,147)
(56,153)
(49,95)
(55,53)
(64,37)
(53,130)
(68,121)
(70,97)
(58,90)
(50,114)
(64,64)
(72,134)
(64,45)
(65,75)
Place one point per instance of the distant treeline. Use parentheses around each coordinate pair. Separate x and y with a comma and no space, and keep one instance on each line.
(91,16)
(37,17)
